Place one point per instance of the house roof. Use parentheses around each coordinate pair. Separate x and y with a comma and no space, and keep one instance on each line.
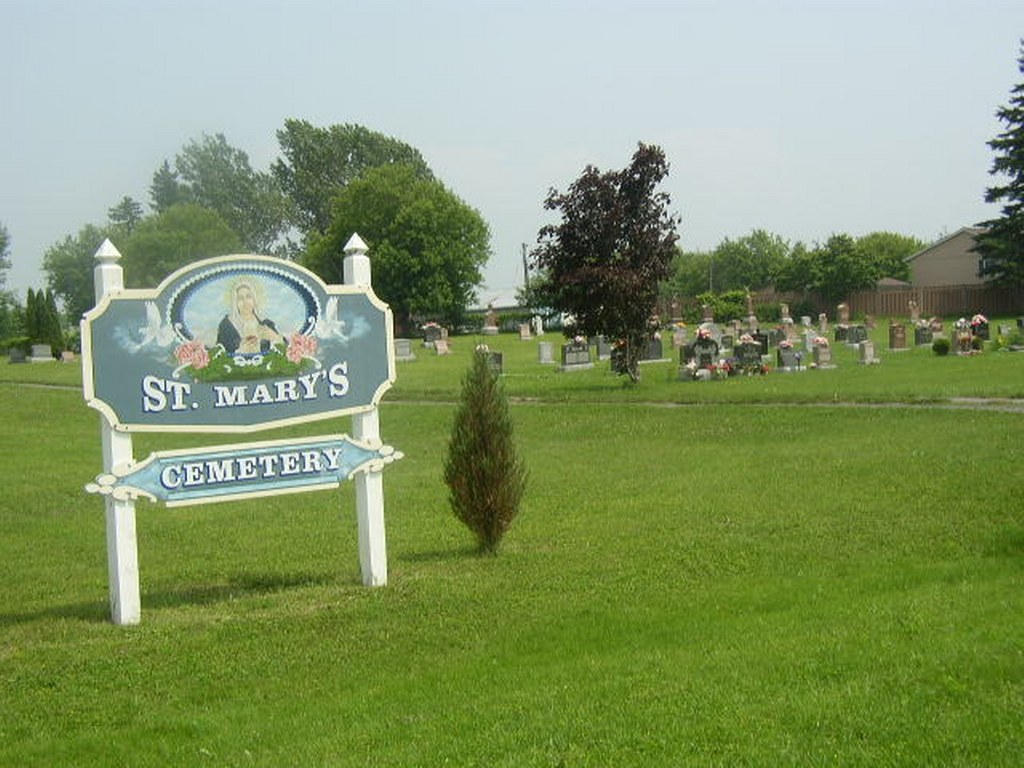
(972,231)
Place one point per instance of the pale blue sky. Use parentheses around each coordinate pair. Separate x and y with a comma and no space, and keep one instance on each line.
(802,117)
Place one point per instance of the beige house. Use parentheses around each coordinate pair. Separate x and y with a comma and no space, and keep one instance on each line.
(949,261)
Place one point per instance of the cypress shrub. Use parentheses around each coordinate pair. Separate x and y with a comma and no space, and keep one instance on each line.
(483,471)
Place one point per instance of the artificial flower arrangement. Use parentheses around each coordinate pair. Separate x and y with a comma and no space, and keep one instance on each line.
(785,344)
(746,338)
(703,333)
(819,341)
(979,319)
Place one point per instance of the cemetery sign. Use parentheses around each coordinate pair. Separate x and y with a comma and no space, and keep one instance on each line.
(235,344)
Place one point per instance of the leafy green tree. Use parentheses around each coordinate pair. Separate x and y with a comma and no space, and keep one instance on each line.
(126,214)
(165,189)
(5,255)
(834,269)
(688,274)
(320,162)
(484,473)
(69,265)
(747,262)
(611,250)
(217,176)
(889,252)
(1001,245)
(165,242)
(427,245)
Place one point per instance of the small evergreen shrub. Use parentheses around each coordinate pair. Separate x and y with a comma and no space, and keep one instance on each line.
(484,473)
(977,343)
(941,347)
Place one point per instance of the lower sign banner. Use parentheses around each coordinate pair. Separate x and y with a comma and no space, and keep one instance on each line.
(243,471)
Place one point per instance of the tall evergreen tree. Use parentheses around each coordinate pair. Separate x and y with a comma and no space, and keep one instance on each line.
(1001,246)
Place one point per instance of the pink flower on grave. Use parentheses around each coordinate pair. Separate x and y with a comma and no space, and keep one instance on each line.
(192,353)
(785,344)
(300,346)
(820,341)
(703,333)
(746,338)
(979,320)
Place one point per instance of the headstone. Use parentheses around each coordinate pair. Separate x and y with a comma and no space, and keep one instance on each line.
(748,356)
(751,317)
(915,311)
(775,337)
(705,352)
(866,351)
(897,337)
(604,348)
(524,332)
(805,321)
(576,356)
(494,362)
(538,325)
(431,333)
(441,347)
(936,325)
(654,349)
(809,337)
(841,332)
(1004,330)
(788,358)
(823,355)
(686,354)
(843,314)
(16,355)
(762,340)
(855,334)
(545,353)
(727,344)
(679,338)
(42,353)
(403,350)
(67,356)
(822,324)
(922,335)
(869,322)
(491,322)
(707,314)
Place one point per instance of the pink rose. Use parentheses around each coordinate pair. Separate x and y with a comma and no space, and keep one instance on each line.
(300,346)
(193,353)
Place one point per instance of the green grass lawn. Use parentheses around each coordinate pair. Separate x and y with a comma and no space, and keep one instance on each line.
(711,573)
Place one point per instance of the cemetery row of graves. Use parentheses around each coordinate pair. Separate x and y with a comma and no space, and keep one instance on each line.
(712,351)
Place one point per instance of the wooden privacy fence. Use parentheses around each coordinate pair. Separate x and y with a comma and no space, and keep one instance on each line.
(941,301)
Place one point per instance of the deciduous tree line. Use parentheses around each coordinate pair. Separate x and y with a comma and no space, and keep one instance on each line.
(429,246)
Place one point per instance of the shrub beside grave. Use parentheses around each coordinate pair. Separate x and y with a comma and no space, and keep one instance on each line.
(941,347)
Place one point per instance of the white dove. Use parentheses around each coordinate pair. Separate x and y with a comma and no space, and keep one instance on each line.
(155,331)
(328,325)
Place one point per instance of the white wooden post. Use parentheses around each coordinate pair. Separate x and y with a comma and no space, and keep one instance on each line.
(122,550)
(373,556)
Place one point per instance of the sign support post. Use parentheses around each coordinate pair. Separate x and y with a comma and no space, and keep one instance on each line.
(373,558)
(122,547)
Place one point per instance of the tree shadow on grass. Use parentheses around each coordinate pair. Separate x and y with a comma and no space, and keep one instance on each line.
(239,586)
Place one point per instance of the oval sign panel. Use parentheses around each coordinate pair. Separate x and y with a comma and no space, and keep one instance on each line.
(236,344)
